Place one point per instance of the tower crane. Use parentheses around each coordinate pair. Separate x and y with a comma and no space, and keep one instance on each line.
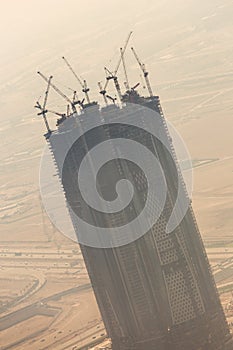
(83,84)
(68,110)
(103,92)
(43,110)
(72,103)
(125,71)
(109,76)
(114,74)
(145,73)
(123,52)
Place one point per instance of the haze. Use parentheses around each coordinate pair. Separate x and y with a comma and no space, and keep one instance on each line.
(188,49)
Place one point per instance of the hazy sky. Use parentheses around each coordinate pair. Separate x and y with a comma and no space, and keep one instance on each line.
(176,39)
(28,27)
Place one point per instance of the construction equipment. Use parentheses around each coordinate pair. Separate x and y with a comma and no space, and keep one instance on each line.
(145,73)
(83,84)
(103,92)
(68,110)
(135,86)
(72,103)
(75,98)
(81,103)
(63,116)
(113,99)
(43,110)
(114,74)
(124,68)
(57,113)
(109,76)
(119,62)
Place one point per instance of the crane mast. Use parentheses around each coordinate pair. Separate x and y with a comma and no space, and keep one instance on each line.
(116,83)
(124,68)
(68,110)
(59,92)
(103,92)
(145,73)
(43,109)
(86,90)
(83,84)
(123,51)
(119,62)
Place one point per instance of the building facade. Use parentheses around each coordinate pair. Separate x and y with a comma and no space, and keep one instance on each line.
(158,291)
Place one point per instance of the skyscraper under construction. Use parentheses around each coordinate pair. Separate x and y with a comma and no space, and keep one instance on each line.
(156,292)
